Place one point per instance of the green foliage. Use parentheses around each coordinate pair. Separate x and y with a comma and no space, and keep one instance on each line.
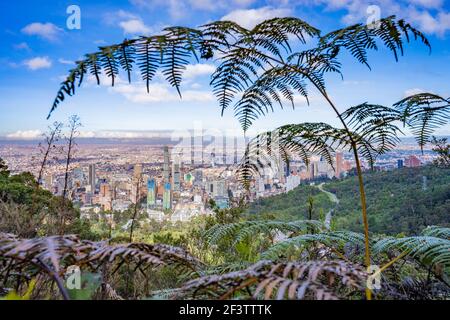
(442,148)
(234,233)
(329,239)
(292,205)
(428,249)
(28,210)
(90,283)
(396,200)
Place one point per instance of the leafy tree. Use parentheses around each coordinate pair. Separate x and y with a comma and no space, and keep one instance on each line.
(442,148)
(3,168)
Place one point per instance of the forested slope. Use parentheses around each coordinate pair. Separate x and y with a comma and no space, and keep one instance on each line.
(398,201)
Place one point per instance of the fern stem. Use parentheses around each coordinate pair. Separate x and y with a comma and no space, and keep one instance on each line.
(355,152)
(390,263)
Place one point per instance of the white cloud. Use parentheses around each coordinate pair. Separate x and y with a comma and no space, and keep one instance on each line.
(64,61)
(137,93)
(428,3)
(430,16)
(100,42)
(251,17)
(179,9)
(25,135)
(47,30)
(38,63)
(130,23)
(438,24)
(123,134)
(413,91)
(134,26)
(22,46)
(195,70)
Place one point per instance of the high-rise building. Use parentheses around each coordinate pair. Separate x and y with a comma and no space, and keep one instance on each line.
(412,161)
(167,197)
(198,177)
(166,165)
(400,163)
(105,190)
(339,164)
(218,188)
(92,178)
(192,150)
(176,175)
(188,178)
(137,171)
(312,170)
(151,192)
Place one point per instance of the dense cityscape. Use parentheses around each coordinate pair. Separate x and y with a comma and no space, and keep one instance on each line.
(175,185)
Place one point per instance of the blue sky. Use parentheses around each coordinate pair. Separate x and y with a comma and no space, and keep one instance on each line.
(38,49)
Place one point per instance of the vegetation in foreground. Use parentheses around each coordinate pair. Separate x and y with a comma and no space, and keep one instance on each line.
(237,257)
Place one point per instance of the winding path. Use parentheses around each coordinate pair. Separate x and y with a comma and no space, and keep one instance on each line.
(333,199)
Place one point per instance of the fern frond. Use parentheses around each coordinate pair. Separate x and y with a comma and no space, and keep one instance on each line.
(269,150)
(53,255)
(330,239)
(125,56)
(236,232)
(360,38)
(423,113)
(272,280)
(148,57)
(437,231)
(109,62)
(425,248)
(373,129)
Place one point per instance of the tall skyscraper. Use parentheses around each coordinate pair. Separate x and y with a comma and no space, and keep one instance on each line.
(218,188)
(400,163)
(105,190)
(312,170)
(339,164)
(166,165)
(137,171)
(198,177)
(167,197)
(192,150)
(176,175)
(151,193)
(92,178)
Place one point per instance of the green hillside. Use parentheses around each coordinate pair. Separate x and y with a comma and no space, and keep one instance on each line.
(397,201)
(292,205)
